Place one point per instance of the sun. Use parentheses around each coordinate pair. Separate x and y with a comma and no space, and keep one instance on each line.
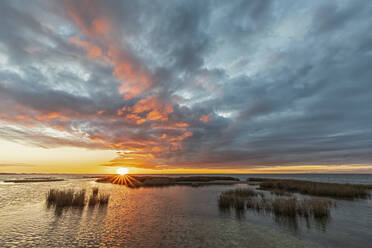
(122,171)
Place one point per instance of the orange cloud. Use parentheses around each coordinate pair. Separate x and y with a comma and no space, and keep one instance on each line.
(90,16)
(24,117)
(52,115)
(93,51)
(176,141)
(205,118)
(97,26)
(92,19)
(155,108)
(135,80)
(182,124)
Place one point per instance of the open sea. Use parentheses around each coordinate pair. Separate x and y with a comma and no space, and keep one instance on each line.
(177,216)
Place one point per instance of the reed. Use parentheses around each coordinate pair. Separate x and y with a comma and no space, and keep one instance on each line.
(285,207)
(225,201)
(335,190)
(308,207)
(280,192)
(60,198)
(68,198)
(93,200)
(235,198)
(241,192)
(239,199)
(79,198)
(103,199)
(95,191)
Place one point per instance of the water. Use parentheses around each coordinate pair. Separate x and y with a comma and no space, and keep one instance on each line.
(170,217)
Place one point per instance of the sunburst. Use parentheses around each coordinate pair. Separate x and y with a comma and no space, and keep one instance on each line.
(126,180)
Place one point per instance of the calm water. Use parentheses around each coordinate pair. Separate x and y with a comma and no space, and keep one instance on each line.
(170,217)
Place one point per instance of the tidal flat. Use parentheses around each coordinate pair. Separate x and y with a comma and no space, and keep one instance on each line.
(176,216)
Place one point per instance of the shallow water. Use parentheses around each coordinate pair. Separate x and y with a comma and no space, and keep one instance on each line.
(165,217)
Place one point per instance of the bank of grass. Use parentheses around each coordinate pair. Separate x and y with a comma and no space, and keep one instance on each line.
(240,199)
(135,181)
(307,207)
(235,198)
(71,198)
(34,180)
(335,190)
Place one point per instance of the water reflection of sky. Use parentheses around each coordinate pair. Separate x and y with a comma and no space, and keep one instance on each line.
(167,217)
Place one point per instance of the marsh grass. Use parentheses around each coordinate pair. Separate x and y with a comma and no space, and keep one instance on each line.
(235,198)
(133,181)
(239,199)
(95,191)
(69,198)
(34,180)
(335,190)
(79,198)
(60,198)
(93,200)
(280,192)
(305,208)
(103,199)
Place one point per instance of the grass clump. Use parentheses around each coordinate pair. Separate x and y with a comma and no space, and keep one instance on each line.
(79,198)
(235,198)
(95,198)
(69,198)
(335,190)
(103,199)
(95,191)
(239,199)
(60,198)
(285,207)
(225,201)
(292,207)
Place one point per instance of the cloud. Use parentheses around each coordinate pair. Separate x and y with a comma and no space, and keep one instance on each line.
(190,84)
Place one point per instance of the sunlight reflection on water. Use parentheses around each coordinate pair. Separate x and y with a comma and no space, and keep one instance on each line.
(151,217)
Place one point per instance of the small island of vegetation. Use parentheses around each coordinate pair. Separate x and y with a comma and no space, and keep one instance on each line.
(34,180)
(160,181)
(334,190)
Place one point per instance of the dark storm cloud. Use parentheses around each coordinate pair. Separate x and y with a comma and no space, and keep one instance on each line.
(230,84)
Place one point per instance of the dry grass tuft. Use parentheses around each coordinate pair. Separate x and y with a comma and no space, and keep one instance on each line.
(103,199)
(68,198)
(95,191)
(79,198)
(283,206)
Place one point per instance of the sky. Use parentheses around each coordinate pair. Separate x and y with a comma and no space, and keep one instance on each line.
(190,86)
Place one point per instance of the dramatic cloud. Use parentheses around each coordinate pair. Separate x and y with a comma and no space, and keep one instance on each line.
(190,84)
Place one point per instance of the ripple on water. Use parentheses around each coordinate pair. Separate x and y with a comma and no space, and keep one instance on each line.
(151,217)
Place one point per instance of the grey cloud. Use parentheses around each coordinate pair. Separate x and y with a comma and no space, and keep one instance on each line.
(298,100)
(330,16)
